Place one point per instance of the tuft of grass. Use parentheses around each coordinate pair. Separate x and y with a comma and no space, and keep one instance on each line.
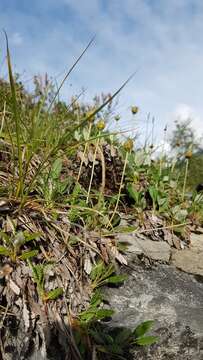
(65,182)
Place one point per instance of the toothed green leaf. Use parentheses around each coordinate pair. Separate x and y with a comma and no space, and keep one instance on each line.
(54,294)
(28,254)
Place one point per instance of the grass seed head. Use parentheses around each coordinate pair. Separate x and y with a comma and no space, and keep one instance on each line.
(101,125)
(117,117)
(188,154)
(134,110)
(90,116)
(128,145)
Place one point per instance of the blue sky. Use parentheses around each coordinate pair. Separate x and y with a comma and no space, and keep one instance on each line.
(161,39)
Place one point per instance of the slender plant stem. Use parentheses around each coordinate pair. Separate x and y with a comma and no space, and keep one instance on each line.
(3,118)
(185,178)
(92,173)
(103,170)
(120,188)
(84,153)
(151,230)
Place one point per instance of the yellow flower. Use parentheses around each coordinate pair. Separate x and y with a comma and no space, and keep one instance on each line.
(128,145)
(134,109)
(101,125)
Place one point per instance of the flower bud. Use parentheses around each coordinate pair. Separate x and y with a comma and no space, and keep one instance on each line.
(101,125)
(90,115)
(128,145)
(117,117)
(188,154)
(134,110)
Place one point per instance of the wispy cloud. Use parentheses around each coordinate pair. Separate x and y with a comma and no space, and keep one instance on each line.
(160,39)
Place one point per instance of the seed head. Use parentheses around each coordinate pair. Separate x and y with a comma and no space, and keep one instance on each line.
(188,154)
(101,125)
(117,117)
(90,115)
(134,110)
(128,145)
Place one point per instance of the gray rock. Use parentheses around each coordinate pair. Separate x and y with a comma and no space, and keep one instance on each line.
(196,241)
(173,299)
(155,250)
(189,260)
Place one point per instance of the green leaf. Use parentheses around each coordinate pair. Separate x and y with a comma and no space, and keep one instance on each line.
(153,193)
(23,237)
(31,236)
(133,194)
(97,336)
(77,135)
(143,328)
(4,251)
(108,339)
(125,229)
(162,201)
(95,314)
(123,336)
(103,313)
(116,279)
(62,186)
(56,169)
(115,349)
(54,294)
(98,270)
(122,246)
(5,237)
(28,254)
(38,273)
(146,340)
(87,316)
(96,299)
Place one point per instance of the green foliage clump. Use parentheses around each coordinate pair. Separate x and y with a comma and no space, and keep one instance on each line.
(63,171)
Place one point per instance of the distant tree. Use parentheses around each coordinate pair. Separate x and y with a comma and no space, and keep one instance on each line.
(184,139)
(187,145)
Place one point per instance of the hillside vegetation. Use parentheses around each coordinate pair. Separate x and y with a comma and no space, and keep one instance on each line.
(66,184)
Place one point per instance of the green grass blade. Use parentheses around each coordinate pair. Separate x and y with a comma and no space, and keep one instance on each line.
(69,72)
(16,119)
(70,133)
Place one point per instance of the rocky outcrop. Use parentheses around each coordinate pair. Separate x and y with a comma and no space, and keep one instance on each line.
(190,260)
(160,291)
